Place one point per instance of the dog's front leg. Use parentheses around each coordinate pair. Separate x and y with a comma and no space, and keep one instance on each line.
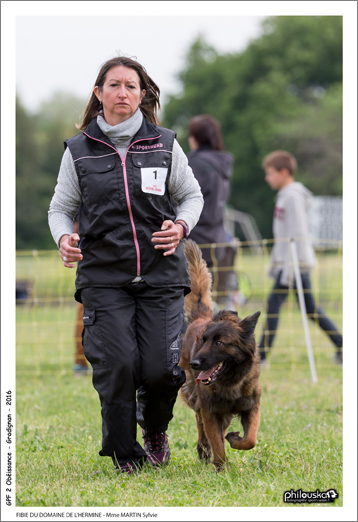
(215,436)
(203,446)
(250,421)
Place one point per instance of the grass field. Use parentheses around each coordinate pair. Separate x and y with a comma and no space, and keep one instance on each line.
(59,436)
(58,433)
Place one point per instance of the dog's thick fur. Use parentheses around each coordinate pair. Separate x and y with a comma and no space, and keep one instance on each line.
(222,367)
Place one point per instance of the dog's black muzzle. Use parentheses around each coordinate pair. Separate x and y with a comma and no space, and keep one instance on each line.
(196,364)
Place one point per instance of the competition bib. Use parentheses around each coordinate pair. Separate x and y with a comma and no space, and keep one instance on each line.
(153,180)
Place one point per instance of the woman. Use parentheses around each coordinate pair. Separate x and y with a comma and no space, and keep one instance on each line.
(212,167)
(132,274)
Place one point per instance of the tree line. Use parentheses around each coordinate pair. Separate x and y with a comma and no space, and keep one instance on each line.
(284,91)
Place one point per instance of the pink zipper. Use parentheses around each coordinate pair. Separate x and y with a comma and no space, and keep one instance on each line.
(129,203)
(131,215)
(123,162)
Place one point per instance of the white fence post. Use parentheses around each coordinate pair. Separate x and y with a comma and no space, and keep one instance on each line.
(303,310)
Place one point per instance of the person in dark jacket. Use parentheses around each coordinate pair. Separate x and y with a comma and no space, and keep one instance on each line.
(123,172)
(212,167)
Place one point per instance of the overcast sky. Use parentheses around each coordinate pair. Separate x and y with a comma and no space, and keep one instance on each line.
(65,52)
(60,46)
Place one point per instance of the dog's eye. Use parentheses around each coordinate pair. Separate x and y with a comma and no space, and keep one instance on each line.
(219,343)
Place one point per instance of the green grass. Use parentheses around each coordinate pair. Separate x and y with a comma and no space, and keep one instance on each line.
(59,424)
(59,430)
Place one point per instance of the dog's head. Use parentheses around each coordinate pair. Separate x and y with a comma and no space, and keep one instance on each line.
(226,347)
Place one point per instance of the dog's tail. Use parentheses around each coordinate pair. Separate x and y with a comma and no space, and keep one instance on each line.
(198,303)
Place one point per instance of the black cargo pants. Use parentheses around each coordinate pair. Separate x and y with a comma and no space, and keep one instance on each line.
(132,339)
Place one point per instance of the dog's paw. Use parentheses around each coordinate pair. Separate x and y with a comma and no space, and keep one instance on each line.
(233,438)
(222,466)
(240,443)
(204,452)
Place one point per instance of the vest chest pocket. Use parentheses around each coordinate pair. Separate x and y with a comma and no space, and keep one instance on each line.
(98,180)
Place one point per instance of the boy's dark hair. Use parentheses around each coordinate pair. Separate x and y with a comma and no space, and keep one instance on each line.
(280,159)
(207,131)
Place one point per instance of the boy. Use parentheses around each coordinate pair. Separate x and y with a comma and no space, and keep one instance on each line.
(291,221)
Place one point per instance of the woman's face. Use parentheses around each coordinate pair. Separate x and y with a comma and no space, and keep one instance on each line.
(120,94)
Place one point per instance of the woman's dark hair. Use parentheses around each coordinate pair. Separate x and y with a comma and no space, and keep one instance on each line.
(207,131)
(150,103)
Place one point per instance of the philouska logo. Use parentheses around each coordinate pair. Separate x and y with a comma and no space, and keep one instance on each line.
(303,497)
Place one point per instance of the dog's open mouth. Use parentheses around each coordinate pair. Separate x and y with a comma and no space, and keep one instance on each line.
(210,376)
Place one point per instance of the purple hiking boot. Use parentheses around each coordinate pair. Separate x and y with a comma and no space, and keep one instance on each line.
(127,469)
(156,446)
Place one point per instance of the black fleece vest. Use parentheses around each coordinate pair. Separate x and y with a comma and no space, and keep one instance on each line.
(125,200)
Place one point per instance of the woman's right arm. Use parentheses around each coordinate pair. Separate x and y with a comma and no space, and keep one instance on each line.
(65,201)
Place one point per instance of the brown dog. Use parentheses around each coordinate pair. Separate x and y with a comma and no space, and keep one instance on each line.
(222,367)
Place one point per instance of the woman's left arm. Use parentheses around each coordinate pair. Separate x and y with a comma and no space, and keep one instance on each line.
(185,190)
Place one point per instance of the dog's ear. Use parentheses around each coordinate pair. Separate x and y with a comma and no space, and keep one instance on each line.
(226,315)
(249,323)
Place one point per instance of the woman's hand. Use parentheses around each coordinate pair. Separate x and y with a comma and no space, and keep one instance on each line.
(168,238)
(69,251)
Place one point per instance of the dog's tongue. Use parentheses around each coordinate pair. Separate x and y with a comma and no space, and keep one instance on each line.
(204,375)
